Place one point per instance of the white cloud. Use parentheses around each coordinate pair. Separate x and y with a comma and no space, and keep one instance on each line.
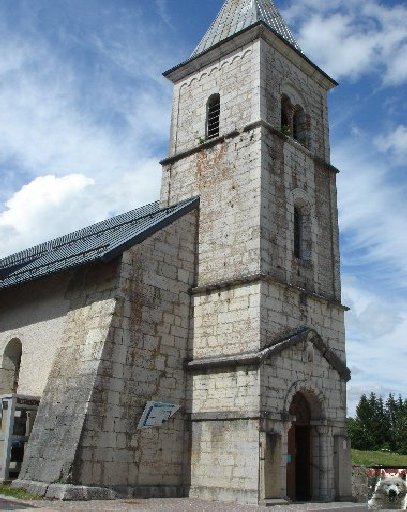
(162,7)
(336,44)
(52,206)
(352,39)
(372,212)
(369,316)
(29,212)
(396,72)
(63,134)
(375,330)
(395,141)
(372,217)
(109,128)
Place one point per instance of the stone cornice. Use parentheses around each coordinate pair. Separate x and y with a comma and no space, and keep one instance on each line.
(214,287)
(259,415)
(258,30)
(200,147)
(237,415)
(259,357)
(235,133)
(225,416)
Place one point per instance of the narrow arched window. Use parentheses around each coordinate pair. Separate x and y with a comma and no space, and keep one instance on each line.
(298,233)
(213,116)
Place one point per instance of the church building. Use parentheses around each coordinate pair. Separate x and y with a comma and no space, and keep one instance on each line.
(222,299)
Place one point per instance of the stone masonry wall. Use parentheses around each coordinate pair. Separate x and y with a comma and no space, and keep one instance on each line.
(226,176)
(225,460)
(285,309)
(290,178)
(227,321)
(227,179)
(34,313)
(294,175)
(125,340)
(143,359)
(226,391)
(360,487)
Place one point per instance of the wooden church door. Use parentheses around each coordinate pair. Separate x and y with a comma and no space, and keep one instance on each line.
(298,473)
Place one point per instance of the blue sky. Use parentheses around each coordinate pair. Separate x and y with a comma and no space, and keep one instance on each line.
(84,119)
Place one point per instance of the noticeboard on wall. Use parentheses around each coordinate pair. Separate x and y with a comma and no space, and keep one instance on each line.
(157,413)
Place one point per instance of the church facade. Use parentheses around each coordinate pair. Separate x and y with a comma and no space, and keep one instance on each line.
(224,299)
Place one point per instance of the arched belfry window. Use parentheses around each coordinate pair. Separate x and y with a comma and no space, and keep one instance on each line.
(300,128)
(213,116)
(12,362)
(286,115)
(294,121)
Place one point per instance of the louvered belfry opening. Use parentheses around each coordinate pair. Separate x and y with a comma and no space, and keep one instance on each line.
(213,116)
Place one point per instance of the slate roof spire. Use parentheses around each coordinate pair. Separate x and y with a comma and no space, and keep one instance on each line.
(236,15)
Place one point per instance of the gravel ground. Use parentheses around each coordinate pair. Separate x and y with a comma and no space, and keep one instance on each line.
(170,505)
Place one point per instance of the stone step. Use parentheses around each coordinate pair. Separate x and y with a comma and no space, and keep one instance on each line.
(274,502)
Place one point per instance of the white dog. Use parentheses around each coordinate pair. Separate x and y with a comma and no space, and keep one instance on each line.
(390,492)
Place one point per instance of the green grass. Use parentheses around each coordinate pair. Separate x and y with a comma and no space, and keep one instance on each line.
(378,458)
(7,490)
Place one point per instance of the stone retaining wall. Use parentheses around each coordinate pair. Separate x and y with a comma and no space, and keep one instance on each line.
(359,483)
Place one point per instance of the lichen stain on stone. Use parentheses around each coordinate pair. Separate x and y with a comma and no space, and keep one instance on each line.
(210,166)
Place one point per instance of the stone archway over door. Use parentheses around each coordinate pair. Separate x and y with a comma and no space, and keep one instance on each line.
(298,469)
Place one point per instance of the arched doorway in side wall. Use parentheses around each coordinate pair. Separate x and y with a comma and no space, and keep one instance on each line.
(11,365)
(299,457)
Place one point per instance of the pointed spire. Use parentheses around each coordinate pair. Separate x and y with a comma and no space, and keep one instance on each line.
(236,15)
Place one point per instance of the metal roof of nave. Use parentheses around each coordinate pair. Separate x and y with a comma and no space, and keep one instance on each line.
(100,242)
(237,15)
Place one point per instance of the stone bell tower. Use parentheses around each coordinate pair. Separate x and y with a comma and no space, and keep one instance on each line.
(266,367)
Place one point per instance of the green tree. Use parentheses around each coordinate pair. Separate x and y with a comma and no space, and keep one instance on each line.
(379,424)
(361,428)
(399,429)
(393,413)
